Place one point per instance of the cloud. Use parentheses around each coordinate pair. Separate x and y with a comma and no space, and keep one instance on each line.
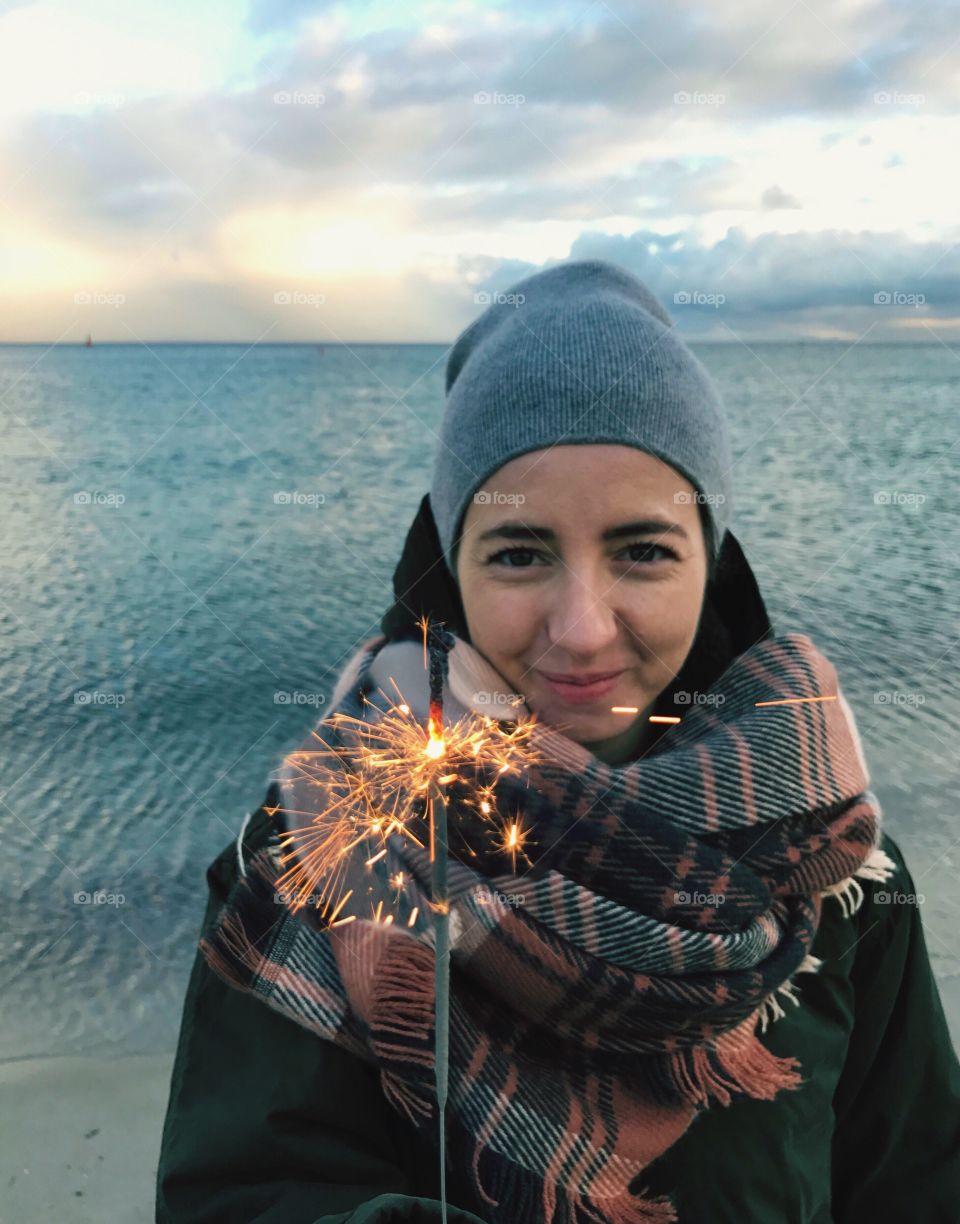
(742,154)
(776,197)
(634,59)
(585,130)
(781,284)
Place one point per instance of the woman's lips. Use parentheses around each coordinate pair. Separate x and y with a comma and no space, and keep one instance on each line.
(581,694)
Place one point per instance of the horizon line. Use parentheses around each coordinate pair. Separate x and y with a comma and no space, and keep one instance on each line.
(428,343)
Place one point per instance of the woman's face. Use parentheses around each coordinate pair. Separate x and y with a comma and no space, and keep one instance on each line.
(581,559)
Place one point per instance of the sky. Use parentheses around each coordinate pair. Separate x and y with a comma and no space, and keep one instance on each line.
(285,170)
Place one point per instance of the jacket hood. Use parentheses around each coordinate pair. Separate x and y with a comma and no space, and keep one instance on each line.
(732,619)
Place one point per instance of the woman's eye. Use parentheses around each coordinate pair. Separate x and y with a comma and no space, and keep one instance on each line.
(512,552)
(646,549)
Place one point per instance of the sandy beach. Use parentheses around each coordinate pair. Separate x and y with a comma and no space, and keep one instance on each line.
(80,1137)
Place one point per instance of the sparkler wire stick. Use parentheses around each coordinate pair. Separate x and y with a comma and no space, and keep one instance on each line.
(439,644)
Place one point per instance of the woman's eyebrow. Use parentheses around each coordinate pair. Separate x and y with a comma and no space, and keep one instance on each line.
(524,531)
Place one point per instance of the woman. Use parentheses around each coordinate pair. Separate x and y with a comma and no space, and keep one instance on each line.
(618,1049)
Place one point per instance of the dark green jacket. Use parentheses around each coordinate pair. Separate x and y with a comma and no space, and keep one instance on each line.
(268,1124)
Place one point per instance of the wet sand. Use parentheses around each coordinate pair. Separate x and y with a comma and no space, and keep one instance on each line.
(80,1138)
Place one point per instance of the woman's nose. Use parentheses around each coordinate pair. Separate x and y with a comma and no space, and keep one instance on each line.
(582,619)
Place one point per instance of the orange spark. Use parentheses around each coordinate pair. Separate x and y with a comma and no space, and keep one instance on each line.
(512,840)
(380,780)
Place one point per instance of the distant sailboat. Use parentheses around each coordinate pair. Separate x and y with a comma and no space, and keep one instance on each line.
(89,341)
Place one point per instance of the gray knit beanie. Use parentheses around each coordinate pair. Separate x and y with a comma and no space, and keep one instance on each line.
(581,353)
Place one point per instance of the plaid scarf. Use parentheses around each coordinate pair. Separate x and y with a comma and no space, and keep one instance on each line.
(602,999)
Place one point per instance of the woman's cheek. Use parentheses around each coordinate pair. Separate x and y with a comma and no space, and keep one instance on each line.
(666,634)
(503,623)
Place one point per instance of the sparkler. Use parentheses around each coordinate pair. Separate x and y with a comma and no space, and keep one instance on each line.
(380,787)
(439,663)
